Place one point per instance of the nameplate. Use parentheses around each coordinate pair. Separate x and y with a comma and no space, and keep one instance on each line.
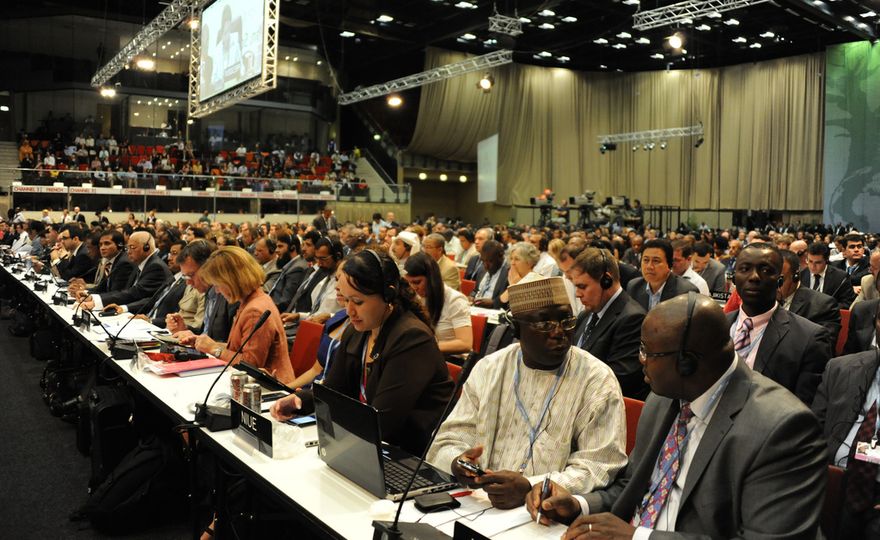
(252,426)
(723,296)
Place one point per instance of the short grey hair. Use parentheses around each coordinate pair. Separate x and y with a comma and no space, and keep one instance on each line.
(525,251)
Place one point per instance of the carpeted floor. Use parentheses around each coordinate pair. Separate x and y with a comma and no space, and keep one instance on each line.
(43,477)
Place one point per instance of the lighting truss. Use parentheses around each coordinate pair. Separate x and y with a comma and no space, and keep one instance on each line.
(268,74)
(477,63)
(691,9)
(652,134)
(502,24)
(170,17)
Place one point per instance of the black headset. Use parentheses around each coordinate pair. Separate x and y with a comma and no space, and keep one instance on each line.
(389,291)
(606,280)
(688,360)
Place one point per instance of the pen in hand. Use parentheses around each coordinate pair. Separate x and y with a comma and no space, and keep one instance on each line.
(545,492)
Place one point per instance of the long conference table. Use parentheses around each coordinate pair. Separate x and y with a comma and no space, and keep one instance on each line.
(327,503)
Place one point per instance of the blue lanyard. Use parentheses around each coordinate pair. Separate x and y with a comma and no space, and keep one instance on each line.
(534,430)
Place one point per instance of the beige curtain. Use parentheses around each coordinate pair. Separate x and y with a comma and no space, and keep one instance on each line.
(762,148)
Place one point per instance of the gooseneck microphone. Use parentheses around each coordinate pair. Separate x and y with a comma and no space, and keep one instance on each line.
(395,530)
(114,339)
(219,418)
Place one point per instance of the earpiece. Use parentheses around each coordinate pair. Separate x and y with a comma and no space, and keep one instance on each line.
(605,281)
(687,360)
(781,281)
(389,291)
(146,247)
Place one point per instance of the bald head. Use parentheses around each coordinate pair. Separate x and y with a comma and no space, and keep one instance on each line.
(141,245)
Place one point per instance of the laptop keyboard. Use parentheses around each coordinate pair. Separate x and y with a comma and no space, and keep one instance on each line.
(397,477)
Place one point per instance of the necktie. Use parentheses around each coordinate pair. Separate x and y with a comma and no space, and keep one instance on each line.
(107,268)
(816,280)
(850,269)
(136,275)
(668,464)
(210,303)
(588,331)
(862,476)
(155,311)
(744,338)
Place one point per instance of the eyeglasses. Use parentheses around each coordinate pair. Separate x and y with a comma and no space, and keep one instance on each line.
(644,354)
(324,257)
(545,327)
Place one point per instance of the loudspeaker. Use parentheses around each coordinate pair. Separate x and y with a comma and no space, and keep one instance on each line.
(687,360)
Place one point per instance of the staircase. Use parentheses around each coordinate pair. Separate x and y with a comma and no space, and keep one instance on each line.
(381,185)
(8,160)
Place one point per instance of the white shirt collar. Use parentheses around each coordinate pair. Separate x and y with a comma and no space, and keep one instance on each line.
(610,301)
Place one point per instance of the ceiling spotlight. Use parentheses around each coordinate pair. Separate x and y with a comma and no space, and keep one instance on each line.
(394,100)
(651,145)
(624,35)
(525,20)
(190,122)
(423,176)
(675,41)
(569,19)
(319,62)
(385,18)
(545,54)
(755,46)
(731,22)
(108,92)
(443,177)
(768,35)
(468,36)
(600,41)
(635,147)
(663,145)
(698,143)
(703,28)
(563,59)
(377,137)
(619,46)
(657,56)
(643,41)
(145,63)
(462,179)
(346,34)
(739,39)
(486,83)
(607,147)
(193,23)
(546,13)
(546,26)
(867,15)
(714,15)
(631,2)
(287,57)
(466,5)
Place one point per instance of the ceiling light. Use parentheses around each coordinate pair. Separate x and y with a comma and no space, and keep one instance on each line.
(462,179)
(657,56)
(287,57)
(423,176)
(768,34)
(569,19)
(862,25)
(675,41)
(624,35)
(619,46)
(600,41)
(468,37)
(849,18)
(443,177)
(547,13)
(731,22)
(377,137)
(755,46)
(603,66)
(486,83)
(544,54)
(643,41)
(385,18)
(703,28)
(296,58)
(139,102)
(145,63)
(714,15)
(394,100)
(687,20)
(466,5)
(631,2)
(739,39)
(137,114)
(525,20)
(546,26)
(346,34)
(635,147)
(193,23)
(154,54)
(163,47)
(867,14)
(319,62)
(663,145)
(563,59)
(190,122)
(108,92)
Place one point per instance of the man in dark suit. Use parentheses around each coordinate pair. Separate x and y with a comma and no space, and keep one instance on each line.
(488,291)
(293,270)
(658,281)
(812,305)
(113,270)
(708,268)
(821,276)
(218,312)
(753,462)
(475,270)
(633,254)
(862,333)
(78,217)
(610,325)
(326,221)
(845,404)
(150,274)
(75,263)
(854,262)
(774,342)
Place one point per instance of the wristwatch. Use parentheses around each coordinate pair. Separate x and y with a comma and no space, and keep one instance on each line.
(218,350)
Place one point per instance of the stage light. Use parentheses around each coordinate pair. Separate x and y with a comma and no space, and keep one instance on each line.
(377,137)
(635,147)
(607,147)
(486,83)
(394,101)
(193,23)
(675,41)
(146,64)
(385,18)
(462,179)
(190,122)
(698,143)
(423,176)
(443,177)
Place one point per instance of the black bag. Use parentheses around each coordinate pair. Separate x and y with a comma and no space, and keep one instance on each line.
(110,435)
(43,344)
(145,489)
(22,323)
(501,337)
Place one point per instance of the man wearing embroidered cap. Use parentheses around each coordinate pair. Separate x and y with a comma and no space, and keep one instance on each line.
(536,407)
(403,246)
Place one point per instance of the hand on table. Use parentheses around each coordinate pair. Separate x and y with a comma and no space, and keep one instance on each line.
(205,344)
(185,337)
(285,408)
(605,525)
(174,323)
(506,489)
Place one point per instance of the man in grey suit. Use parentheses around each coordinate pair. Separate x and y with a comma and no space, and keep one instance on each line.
(812,305)
(721,451)
(474,270)
(708,268)
(658,281)
(845,398)
(293,270)
(868,287)
(494,282)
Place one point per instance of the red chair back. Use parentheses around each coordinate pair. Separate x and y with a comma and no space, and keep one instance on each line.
(633,412)
(844,332)
(733,303)
(454,374)
(830,515)
(478,326)
(468,286)
(304,351)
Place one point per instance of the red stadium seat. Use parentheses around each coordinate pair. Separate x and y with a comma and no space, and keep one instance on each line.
(844,332)
(633,412)
(732,303)
(160,149)
(304,351)
(478,327)
(468,286)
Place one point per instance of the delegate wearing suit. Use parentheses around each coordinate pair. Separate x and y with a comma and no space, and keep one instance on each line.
(675,285)
(167,301)
(658,282)
(848,389)
(823,277)
(856,272)
(753,465)
(715,275)
(149,276)
(121,269)
(78,264)
(862,324)
(285,287)
(812,305)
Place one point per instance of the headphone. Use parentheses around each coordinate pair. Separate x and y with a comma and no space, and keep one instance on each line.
(506,318)
(389,291)
(605,281)
(146,247)
(686,364)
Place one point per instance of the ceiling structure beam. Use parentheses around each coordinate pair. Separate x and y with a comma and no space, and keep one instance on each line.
(682,11)
(822,10)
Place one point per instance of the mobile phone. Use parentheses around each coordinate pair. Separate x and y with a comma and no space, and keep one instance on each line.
(109,313)
(302,420)
(470,466)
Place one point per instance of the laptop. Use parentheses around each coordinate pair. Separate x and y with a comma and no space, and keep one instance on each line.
(350,442)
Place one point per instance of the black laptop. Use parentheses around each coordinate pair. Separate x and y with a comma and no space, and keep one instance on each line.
(350,442)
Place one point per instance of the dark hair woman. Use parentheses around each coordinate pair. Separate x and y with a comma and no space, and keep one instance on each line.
(448,309)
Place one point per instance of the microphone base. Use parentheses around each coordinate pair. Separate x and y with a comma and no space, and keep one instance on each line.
(385,530)
(213,418)
(122,351)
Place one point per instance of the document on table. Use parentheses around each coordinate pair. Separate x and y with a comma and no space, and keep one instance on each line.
(137,330)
